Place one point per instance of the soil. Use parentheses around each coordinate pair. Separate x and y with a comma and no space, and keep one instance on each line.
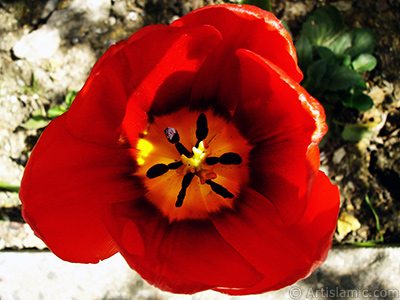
(369,169)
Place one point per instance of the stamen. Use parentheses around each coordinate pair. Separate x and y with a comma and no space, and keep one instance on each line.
(175,165)
(219,189)
(187,179)
(230,158)
(160,169)
(193,160)
(212,160)
(182,150)
(201,129)
(157,170)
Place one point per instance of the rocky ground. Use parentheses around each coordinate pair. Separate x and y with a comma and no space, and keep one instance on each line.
(352,273)
(47,49)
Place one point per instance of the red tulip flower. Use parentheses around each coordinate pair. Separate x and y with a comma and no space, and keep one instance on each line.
(192,151)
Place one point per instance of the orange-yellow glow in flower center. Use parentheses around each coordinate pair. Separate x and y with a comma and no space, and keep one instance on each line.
(192,184)
(196,163)
(198,157)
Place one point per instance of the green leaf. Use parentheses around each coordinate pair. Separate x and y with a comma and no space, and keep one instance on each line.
(355,133)
(377,223)
(363,41)
(341,78)
(56,111)
(333,98)
(263,4)
(326,54)
(317,70)
(323,26)
(9,187)
(359,101)
(313,82)
(341,43)
(59,110)
(359,87)
(315,74)
(304,52)
(364,63)
(70,97)
(36,122)
(346,60)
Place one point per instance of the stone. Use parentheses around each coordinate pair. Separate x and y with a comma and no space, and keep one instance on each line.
(348,273)
(16,235)
(70,67)
(338,155)
(343,5)
(51,5)
(93,10)
(295,10)
(119,8)
(377,95)
(12,113)
(39,44)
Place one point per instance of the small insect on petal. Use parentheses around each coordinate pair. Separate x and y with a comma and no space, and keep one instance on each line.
(172,135)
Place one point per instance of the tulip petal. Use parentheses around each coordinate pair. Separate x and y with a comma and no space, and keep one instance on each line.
(182,256)
(248,27)
(284,254)
(278,117)
(111,109)
(84,190)
(64,185)
(268,38)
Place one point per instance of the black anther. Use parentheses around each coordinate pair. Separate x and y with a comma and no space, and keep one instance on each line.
(212,160)
(230,158)
(175,165)
(157,170)
(201,128)
(219,189)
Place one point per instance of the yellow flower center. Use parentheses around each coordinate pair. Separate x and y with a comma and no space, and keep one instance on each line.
(185,184)
(199,155)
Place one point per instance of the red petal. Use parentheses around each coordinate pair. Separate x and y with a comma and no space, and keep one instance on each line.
(214,85)
(121,44)
(97,112)
(128,80)
(284,254)
(64,185)
(278,117)
(248,27)
(167,86)
(180,257)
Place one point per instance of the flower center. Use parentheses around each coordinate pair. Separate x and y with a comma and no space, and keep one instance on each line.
(220,172)
(198,157)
